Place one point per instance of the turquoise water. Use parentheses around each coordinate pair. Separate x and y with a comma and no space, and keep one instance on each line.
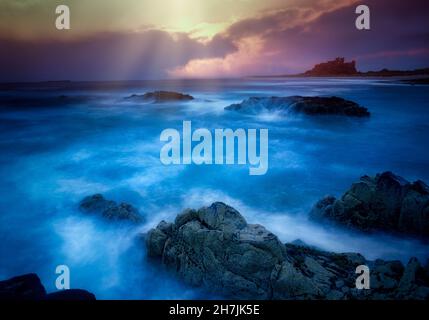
(56,151)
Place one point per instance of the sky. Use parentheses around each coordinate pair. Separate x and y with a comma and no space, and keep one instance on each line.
(158,39)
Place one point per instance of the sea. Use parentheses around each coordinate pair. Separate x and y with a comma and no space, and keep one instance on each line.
(62,141)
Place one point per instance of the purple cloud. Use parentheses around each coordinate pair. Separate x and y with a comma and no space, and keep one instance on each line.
(107,56)
(289,41)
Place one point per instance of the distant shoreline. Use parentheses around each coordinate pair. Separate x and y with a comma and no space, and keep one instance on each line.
(409,78)
(371,74)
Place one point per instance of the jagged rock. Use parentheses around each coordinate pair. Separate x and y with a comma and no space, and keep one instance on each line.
(410,284)
(71,295)
(300,243)
(311,106)
(25,287)
(214,247)
(29,287)
(97,204)
(385,202)
(161,96)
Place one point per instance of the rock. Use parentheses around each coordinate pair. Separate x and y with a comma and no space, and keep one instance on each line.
(71,295)
(291,283)
(311,106)
(97,204)
(155,240)
(160,97)
(215,248)
(410,285)
(29,287)
(385,202)
(25,287)
(385,276)
(300,243)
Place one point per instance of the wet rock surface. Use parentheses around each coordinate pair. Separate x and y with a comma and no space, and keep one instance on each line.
(386,202)
(160,97)
(97,204)
(215,248)
(311,106)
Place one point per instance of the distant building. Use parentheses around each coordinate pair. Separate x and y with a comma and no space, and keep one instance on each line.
(337,67)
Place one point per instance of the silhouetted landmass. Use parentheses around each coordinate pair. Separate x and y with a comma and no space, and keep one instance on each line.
(396,73)
(337,67)
(29,287)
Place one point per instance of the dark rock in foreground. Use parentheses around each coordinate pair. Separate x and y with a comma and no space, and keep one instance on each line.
(71,295)
(97,204)
(29,287)
(311,106)
(216,248)
(161,96)
(26,287)
(385,202)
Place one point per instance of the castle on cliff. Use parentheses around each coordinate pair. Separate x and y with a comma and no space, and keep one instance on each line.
(337,67)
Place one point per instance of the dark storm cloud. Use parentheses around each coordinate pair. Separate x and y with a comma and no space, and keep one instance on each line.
(104,56)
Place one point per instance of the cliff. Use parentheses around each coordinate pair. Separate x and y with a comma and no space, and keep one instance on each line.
(337,67)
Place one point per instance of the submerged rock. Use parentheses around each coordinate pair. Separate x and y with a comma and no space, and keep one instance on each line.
(311,106)
(385,202)
(29,287)
(161,96)
(97,204)
(214,247)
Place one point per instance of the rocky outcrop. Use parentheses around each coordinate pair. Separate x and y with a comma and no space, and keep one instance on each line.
(70,295)
(29,287)
(337,67)
(385,202)
(215,248)
(160,97)
(25,287)
(97,204)
(311,106)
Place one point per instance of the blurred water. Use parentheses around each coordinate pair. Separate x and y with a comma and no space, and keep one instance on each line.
(56,151)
